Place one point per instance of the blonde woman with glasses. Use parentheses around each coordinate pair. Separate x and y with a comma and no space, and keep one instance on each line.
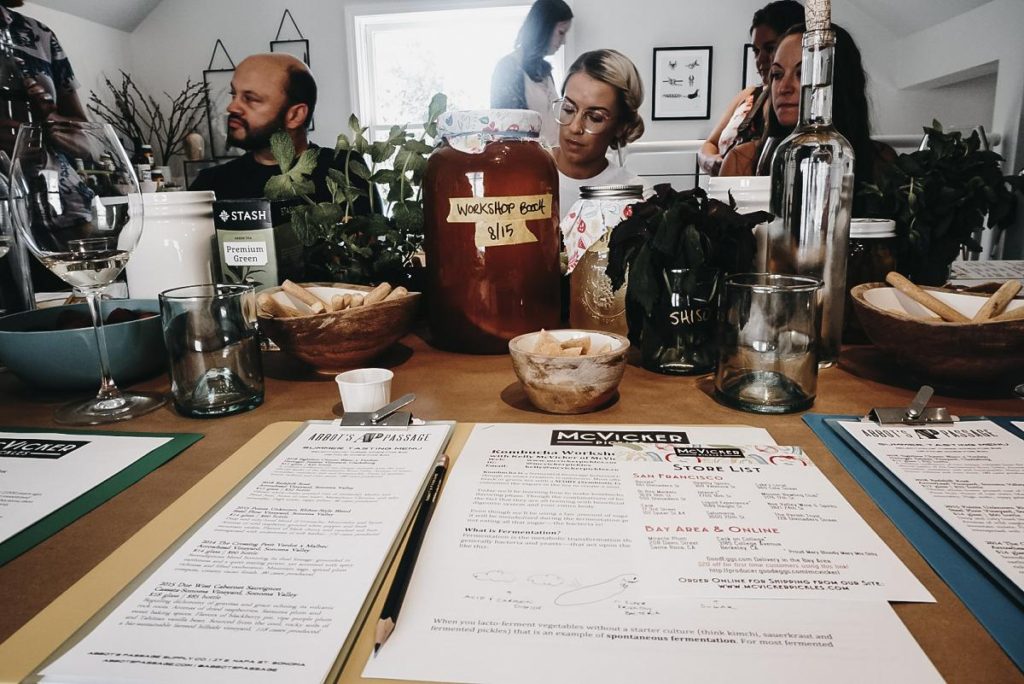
(599,108)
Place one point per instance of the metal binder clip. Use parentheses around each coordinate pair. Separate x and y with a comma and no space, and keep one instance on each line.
(917,413)
(386,415)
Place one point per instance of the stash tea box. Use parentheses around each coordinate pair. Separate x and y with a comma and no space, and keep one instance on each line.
(256,243)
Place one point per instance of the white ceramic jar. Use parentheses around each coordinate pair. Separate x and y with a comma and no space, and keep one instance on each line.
(177,246)
(752,193)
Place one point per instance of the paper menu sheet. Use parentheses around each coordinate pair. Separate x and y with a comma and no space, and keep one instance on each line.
(268,587)
(545,551)
(767,524)
(672,640)
(970,473)
(42,471)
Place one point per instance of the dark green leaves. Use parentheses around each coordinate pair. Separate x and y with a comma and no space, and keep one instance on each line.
(673,229)
(940,196)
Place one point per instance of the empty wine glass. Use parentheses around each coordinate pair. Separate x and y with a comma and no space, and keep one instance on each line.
(77,206)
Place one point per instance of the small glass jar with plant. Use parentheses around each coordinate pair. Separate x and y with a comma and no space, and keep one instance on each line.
(677,246)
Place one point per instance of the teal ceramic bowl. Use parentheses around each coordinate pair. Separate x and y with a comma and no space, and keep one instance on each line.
(68,360)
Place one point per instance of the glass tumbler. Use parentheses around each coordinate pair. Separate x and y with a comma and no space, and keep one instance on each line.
(768,335)
(211,338)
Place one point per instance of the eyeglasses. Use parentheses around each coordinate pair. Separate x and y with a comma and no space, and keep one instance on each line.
(594,120)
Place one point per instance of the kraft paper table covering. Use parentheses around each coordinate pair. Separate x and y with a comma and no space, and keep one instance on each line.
(484,389)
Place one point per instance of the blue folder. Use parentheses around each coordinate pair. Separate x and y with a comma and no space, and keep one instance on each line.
(995,601)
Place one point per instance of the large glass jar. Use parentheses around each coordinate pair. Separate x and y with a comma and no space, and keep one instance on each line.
(593,305)
(872,256)
(491,221)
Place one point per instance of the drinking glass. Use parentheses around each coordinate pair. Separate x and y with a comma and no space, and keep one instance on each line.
(77,206)
(214,350)
(767,343)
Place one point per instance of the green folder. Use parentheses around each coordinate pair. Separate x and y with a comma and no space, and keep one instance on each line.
(65,515)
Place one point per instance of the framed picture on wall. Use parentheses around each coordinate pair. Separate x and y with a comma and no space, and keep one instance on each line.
(682,83)
(750,75)
(218,97)
(299,48)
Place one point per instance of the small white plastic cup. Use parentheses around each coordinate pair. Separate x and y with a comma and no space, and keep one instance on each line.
(365,389)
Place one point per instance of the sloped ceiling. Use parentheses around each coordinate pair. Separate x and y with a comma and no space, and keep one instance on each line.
(125,15)
(904,17)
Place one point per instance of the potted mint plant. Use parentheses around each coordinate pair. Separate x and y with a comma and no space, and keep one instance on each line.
(941,197)
(677,247)
(364,249)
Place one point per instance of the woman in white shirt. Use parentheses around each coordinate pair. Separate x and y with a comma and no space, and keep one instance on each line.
(600,108)
(522,79)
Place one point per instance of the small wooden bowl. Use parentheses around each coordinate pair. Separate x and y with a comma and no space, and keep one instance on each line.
(337,340)
(569,384)
(951,355)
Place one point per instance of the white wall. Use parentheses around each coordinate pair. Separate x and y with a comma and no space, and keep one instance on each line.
(177,39)
(905,72)
(988,35)
(94,49)
(724,24)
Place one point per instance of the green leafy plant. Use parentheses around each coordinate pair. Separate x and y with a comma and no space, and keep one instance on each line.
(341,244)
(940,197)
(673,231)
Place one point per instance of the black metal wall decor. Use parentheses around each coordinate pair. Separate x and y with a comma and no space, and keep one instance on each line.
(296,47)
(682,83)
(218,97)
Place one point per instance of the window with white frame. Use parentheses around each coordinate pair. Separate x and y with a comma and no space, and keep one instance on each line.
(403,58)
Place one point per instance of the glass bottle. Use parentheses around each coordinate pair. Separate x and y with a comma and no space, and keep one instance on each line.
(14,100)
(16,291)
(812,189)
(593,305)
(872,256)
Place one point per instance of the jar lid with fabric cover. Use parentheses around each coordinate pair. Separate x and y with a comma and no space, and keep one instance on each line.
(599,209)
(470,130)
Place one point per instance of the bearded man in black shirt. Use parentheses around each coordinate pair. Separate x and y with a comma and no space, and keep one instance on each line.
(269,93)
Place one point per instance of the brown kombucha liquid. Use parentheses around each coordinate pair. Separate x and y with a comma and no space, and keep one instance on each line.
(492,245)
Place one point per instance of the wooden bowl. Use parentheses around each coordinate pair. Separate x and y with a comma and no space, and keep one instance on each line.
(338,340)
(951,355)
(569,384)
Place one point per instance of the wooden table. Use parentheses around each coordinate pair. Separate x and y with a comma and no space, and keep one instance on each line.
(484,389)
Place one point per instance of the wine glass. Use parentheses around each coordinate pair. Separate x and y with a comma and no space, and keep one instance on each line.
(77,206)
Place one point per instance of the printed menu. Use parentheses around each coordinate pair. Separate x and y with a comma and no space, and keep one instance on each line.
(970,473)
(42,471)
(49,478)
(600,554)
(272,583)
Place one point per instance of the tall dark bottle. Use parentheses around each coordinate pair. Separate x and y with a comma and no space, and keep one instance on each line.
(16,292)
(812,186)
